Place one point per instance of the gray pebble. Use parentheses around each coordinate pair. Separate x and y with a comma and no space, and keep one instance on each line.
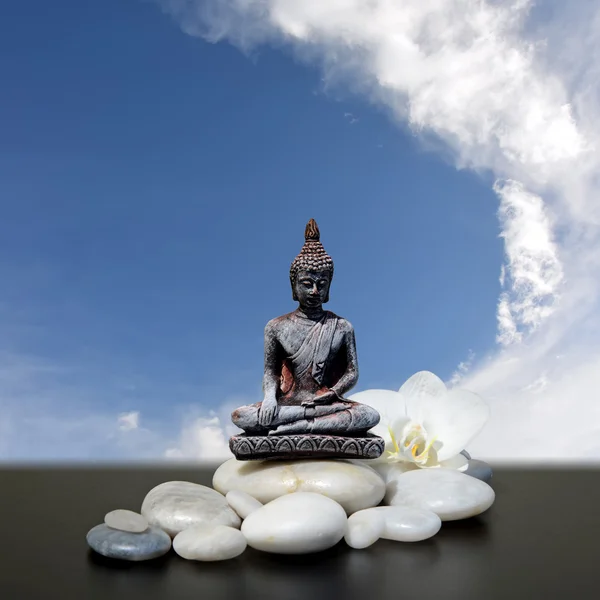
(124,545)
(479,469)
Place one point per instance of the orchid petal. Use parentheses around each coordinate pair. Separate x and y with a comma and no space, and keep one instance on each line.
(397,427)
(420,386)
(389,454)
(389,404)
(423,383)
(454,419)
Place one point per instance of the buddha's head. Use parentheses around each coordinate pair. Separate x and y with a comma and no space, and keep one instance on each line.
(312,271)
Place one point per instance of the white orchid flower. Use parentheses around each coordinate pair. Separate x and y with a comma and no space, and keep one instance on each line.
(424,424)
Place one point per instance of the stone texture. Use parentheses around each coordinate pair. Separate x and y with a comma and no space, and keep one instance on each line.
(299,523)
(398,523)
(364,528)
(354,486)
(479,469)
(243,504)
(476,468)
(176,505)
(393,469)
(450,494)
(126,520)
(405,524)
(285,447)
(124,545)
(208,543)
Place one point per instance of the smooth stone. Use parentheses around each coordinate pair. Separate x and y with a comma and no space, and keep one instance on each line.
(126,520)
(364,528)
(479,469)
(125,545)
(397,523)
(176,505)
(207,543)
(450,494)
(298,523)
(406,524)
(352,485)
(391,469)
(243,504)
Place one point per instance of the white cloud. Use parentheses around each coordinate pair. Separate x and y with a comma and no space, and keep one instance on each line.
(537,386)
(455,67)
(505,94)
(555,417)
(45,416)
(462,369)
(203,439)
(129,421)
(533,269)
(205,435)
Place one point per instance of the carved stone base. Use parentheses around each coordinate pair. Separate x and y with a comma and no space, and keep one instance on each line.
(286,447)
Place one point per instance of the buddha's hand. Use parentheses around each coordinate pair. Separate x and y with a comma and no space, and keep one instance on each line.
(267,411)
(327,397)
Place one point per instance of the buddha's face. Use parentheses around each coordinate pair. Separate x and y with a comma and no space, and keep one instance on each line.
(311,288)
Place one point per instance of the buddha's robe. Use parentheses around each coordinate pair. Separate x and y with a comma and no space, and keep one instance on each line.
(311,370)
(315,350)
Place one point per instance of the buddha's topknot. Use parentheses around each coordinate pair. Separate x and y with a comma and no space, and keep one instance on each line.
(312,257)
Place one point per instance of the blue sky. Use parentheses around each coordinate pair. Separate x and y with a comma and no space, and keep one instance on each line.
(154,191)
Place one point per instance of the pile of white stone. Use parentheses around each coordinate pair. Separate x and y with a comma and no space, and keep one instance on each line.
(293,507)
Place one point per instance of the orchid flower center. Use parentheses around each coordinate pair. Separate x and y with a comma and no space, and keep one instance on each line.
(413,443)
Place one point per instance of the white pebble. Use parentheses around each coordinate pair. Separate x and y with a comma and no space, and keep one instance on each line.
(450,494)
(398,523)
(126,520)
(354,486)
(176,505)
(365,527)
(298,523)
(243,504)
(207,543)
(405,524)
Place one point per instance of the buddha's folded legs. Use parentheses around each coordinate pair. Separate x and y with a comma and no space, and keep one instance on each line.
(338,418)
(350,420)
(246,417)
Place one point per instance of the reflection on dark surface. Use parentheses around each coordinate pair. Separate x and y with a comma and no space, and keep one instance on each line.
(157,564)
(535,540)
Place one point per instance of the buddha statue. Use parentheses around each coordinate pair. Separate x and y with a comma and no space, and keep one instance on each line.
(310,363)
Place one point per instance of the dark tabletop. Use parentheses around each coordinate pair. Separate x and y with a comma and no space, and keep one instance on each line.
(539,540)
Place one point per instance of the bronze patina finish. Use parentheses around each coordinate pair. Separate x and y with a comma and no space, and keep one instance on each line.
(310,363)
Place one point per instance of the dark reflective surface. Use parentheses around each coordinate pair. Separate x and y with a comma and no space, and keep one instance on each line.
(539,540)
